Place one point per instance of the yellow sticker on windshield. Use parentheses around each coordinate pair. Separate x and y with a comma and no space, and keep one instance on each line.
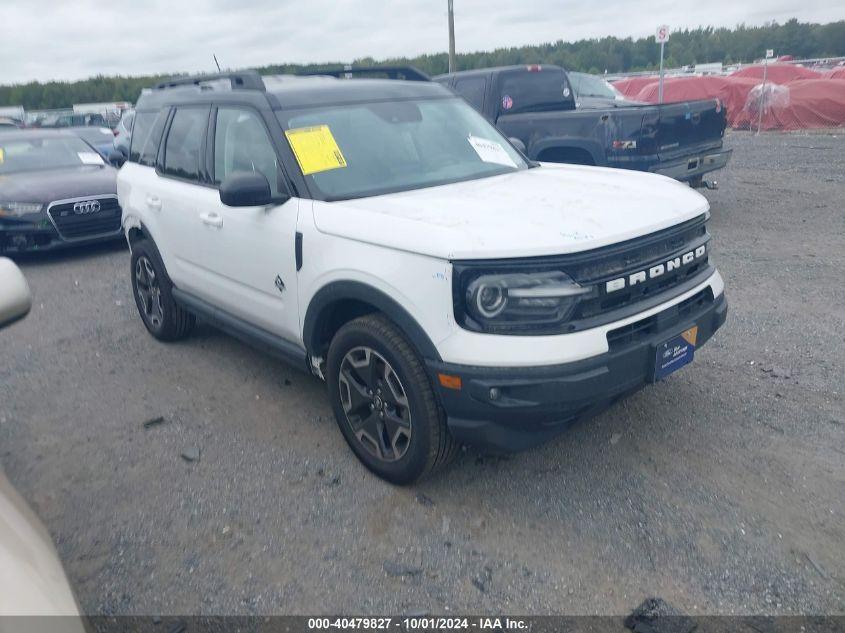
(315,149)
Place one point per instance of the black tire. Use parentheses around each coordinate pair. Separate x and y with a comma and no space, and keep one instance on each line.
(162,316)
(428,446)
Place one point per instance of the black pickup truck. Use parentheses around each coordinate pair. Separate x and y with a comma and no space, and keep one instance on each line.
(536,105)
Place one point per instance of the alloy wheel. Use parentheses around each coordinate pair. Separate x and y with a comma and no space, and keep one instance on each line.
(149,291)
(375,403)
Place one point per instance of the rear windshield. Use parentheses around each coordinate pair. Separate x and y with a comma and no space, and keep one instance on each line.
(539,91)
(358,150)
(39,153)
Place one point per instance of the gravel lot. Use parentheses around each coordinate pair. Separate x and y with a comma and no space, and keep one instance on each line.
(720,490)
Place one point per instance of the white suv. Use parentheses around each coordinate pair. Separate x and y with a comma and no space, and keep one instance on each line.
(385,237)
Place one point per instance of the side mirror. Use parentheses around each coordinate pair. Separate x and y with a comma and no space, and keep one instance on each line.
(517,144)
(245,189)
(116,158)
(15,299)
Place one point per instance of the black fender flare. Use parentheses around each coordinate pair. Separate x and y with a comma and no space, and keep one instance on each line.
(142,228)
(357,291)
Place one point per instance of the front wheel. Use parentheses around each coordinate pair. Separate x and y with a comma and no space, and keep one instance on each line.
(384,403)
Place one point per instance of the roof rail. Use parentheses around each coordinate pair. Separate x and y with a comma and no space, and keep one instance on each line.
(407,73)
(240,79)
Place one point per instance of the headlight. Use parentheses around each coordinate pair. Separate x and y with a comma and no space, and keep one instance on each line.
(519,301)
(19,208)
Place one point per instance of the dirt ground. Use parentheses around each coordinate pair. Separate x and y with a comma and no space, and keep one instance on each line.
(721,490)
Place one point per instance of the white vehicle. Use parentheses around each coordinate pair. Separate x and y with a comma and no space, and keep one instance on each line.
(385,237)
(32,581)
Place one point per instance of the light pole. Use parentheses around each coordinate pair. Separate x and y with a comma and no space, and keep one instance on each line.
(769,54)
(660,85)
(451,36)
(662,37)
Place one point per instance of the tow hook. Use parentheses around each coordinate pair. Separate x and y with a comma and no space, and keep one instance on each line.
(712,185)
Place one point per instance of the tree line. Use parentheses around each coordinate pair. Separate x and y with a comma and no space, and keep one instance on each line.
(611,54)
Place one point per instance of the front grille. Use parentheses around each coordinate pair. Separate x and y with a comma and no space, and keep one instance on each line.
(643,329)
(593,269)
(614,261)
(74,226)
(637,255)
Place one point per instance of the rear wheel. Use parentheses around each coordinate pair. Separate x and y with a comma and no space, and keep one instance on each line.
(384,403)
(153,291)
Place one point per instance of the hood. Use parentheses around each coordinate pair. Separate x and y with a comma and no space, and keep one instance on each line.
(58,184)
(550,210)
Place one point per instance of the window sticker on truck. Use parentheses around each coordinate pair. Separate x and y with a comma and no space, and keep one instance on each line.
(490,151)
(315,149)
(90,158)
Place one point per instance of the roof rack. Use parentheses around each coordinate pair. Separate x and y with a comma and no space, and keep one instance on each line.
(240,79)
(407,73)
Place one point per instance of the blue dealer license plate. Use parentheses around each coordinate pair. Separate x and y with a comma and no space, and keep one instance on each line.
(673,354)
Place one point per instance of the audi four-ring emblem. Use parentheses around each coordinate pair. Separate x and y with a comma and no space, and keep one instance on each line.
(86,206)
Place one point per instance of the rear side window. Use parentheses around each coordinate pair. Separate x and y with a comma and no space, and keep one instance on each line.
(146,136)
(472,89)
(184,141)
(525,91)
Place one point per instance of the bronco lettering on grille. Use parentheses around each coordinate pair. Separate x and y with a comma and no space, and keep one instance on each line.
(641,276)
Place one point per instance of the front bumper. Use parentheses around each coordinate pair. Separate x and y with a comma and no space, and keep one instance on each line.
(42,237)
(511,409)
(690,167)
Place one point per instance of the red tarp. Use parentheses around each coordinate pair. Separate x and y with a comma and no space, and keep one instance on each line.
(799,105)
(731,91)
(632,85)
(835,73)
(682,89)
(777,73)
(734,95)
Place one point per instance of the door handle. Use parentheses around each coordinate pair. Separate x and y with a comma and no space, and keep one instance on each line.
(212,219)
(153,202)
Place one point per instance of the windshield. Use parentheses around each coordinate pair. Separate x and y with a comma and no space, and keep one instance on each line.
(358,150)
(591,86)
(95,135)
(39,153)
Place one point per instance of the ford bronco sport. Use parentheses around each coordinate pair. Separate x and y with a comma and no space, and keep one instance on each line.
(385,237)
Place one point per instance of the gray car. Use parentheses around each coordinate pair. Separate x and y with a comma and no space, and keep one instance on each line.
(593,91)
(123,132)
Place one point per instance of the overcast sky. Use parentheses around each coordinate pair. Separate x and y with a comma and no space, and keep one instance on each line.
(73,39)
